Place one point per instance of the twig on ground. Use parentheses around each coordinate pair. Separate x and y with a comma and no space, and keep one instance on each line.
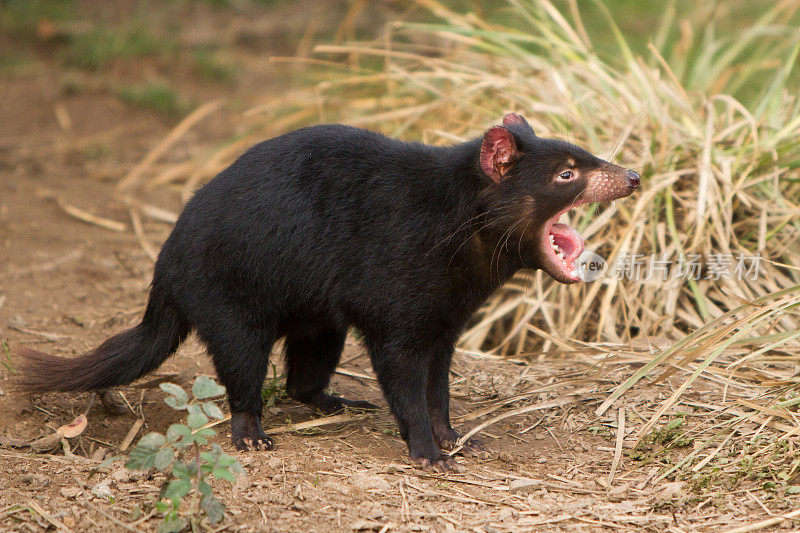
(618,446)
(137,425)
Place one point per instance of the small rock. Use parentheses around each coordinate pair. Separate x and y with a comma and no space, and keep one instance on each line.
(538,495)
(113,402)
(541,460)
(121,475)
(102,490)
(71,492)
(334,486)
(458,469)
(16,322)
(242,480)
(674,490)
(523,486)
(581,503)
(370,482)
(33,481)
(99,454)
(505,457)
(366,525)
(258,497)
(620,492)
(274,463)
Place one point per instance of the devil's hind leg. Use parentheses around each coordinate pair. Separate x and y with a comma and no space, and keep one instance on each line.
(311,357)
(240,354)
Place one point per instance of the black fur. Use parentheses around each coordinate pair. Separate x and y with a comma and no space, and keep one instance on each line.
(327,228)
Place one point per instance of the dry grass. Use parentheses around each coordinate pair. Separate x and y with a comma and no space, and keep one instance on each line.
(711,122)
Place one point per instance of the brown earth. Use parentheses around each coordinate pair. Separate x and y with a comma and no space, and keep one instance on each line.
(66,285)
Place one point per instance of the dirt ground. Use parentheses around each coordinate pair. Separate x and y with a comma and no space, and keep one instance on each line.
(66,285)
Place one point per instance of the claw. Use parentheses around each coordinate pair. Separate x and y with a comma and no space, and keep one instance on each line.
(248,444)
(438,465)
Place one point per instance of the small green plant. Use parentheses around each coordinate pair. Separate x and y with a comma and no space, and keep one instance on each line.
(210,67)
(12,64)
(95,151)
(6,360)
(22,17)
(160,98)
(273,390)
(602,431)
(96,49)
(179,456)
(671,435)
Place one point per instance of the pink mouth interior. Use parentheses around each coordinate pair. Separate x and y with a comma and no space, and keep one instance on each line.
(563,246)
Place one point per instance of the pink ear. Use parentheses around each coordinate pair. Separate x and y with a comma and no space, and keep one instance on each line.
(498,150)
(512,119)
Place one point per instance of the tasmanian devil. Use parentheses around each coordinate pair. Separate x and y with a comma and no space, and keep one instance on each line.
(331,227)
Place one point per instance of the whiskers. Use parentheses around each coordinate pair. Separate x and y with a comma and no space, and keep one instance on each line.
(509,215)
(504,205)
(506,211)
(502,242)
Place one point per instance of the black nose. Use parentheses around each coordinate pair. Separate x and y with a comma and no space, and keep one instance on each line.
(633,179)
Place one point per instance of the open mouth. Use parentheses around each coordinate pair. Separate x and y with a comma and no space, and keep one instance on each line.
(563,246)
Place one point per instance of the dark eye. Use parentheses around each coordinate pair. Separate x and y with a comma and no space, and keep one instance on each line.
(566,175)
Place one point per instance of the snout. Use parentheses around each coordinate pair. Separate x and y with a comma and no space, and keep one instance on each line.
(633,180)
(609,183)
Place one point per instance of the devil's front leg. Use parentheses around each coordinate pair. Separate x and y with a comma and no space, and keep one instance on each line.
(438,397)
(402,368)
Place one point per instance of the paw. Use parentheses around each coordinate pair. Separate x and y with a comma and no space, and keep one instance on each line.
(112,401)
(253,444)
(443,464)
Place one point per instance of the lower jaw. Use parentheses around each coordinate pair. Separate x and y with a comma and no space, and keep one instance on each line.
(567,275)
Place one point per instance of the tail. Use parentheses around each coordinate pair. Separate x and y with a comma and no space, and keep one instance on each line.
(118,361)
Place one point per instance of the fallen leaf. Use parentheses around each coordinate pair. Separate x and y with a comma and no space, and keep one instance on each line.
(74,428)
